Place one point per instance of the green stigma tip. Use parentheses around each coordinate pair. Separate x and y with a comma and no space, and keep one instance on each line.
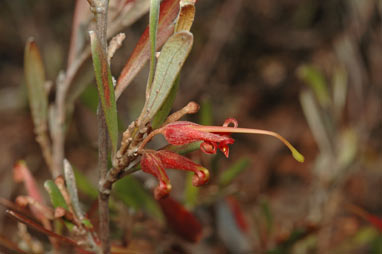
(297,156)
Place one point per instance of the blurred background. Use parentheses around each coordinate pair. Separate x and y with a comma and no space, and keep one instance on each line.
(310,70)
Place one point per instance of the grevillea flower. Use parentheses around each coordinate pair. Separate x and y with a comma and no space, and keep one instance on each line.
(155,163)
(183,132)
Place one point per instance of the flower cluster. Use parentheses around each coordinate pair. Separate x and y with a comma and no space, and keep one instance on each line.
(183,132)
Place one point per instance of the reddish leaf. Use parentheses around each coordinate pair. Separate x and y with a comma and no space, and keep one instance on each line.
(105,88)
(237,213)
(186,17)
(21,173)
(169,10)
(372,219)
(180,220)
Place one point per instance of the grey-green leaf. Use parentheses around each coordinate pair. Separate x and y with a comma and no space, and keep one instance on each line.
(105,88)
(164,111)
(35,79)
(170,62)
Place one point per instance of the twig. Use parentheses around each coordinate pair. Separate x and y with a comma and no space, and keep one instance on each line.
(44,142)
(41,229)
(114,45)
(99,8)
(63,84)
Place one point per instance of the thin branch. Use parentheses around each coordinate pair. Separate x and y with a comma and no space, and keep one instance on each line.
(63,84)
(99,8)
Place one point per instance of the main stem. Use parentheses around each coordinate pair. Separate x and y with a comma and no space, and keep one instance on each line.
(100,8)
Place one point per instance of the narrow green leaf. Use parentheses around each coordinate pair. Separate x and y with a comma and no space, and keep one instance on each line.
(164,111)
(35,79)
(266,211)
(170,62)
(55,195)
(57,200)
(231,173)
(132,194)
(153,26)
(105,88)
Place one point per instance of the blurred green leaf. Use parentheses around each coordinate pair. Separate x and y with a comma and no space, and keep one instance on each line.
(377,244)
(55,195)
(84,185)
(313,77)
(205,112)
(105,88)
(266,211)
(170,62)
(90,98)
(232,172)
(365,236)
(285,246)
(35,79)
(191,192)
(131,193)
(316,122)
(164,111)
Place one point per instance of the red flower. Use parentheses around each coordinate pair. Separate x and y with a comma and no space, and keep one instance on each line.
(155,163)
(183,132)
(151,164)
